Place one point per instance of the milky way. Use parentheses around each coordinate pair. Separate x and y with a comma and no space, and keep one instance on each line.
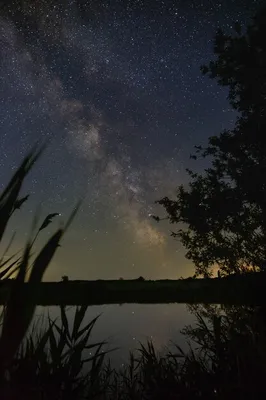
(117,88)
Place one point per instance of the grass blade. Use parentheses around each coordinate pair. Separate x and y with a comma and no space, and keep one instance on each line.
(7,248)
(65,321)
(79,316)
(9,197)
(44,258)
(8,269)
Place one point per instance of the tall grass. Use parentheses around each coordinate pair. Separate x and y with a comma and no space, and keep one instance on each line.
(227,360)
(64,358)
(50,363)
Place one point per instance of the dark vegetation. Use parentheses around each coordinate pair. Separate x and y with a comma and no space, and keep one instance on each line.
(243,289)
(224,215)
(227,359)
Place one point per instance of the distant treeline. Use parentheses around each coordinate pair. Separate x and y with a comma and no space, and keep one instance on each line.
(234,289)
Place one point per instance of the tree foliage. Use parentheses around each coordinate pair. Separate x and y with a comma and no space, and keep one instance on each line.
(222,213)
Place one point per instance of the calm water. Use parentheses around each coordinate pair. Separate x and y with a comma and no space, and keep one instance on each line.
(123,326)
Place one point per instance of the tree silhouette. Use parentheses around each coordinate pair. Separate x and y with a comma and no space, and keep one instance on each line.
(65,278)
(222,213)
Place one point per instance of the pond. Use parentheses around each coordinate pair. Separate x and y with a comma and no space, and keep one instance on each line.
(124,326)
(226,344)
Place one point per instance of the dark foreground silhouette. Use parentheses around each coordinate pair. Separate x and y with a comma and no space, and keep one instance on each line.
(242,289)
(228,361)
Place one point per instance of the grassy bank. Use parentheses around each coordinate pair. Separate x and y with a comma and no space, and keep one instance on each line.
(245,289)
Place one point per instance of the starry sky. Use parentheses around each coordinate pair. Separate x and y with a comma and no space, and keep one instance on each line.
(116,86)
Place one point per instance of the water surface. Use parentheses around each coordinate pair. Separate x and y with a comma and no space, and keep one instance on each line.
(124,326)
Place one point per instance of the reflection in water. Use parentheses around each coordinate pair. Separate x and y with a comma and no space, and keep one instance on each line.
(226,358)
(124,326)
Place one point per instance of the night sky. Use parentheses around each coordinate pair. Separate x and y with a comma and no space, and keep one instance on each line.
(117,88)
